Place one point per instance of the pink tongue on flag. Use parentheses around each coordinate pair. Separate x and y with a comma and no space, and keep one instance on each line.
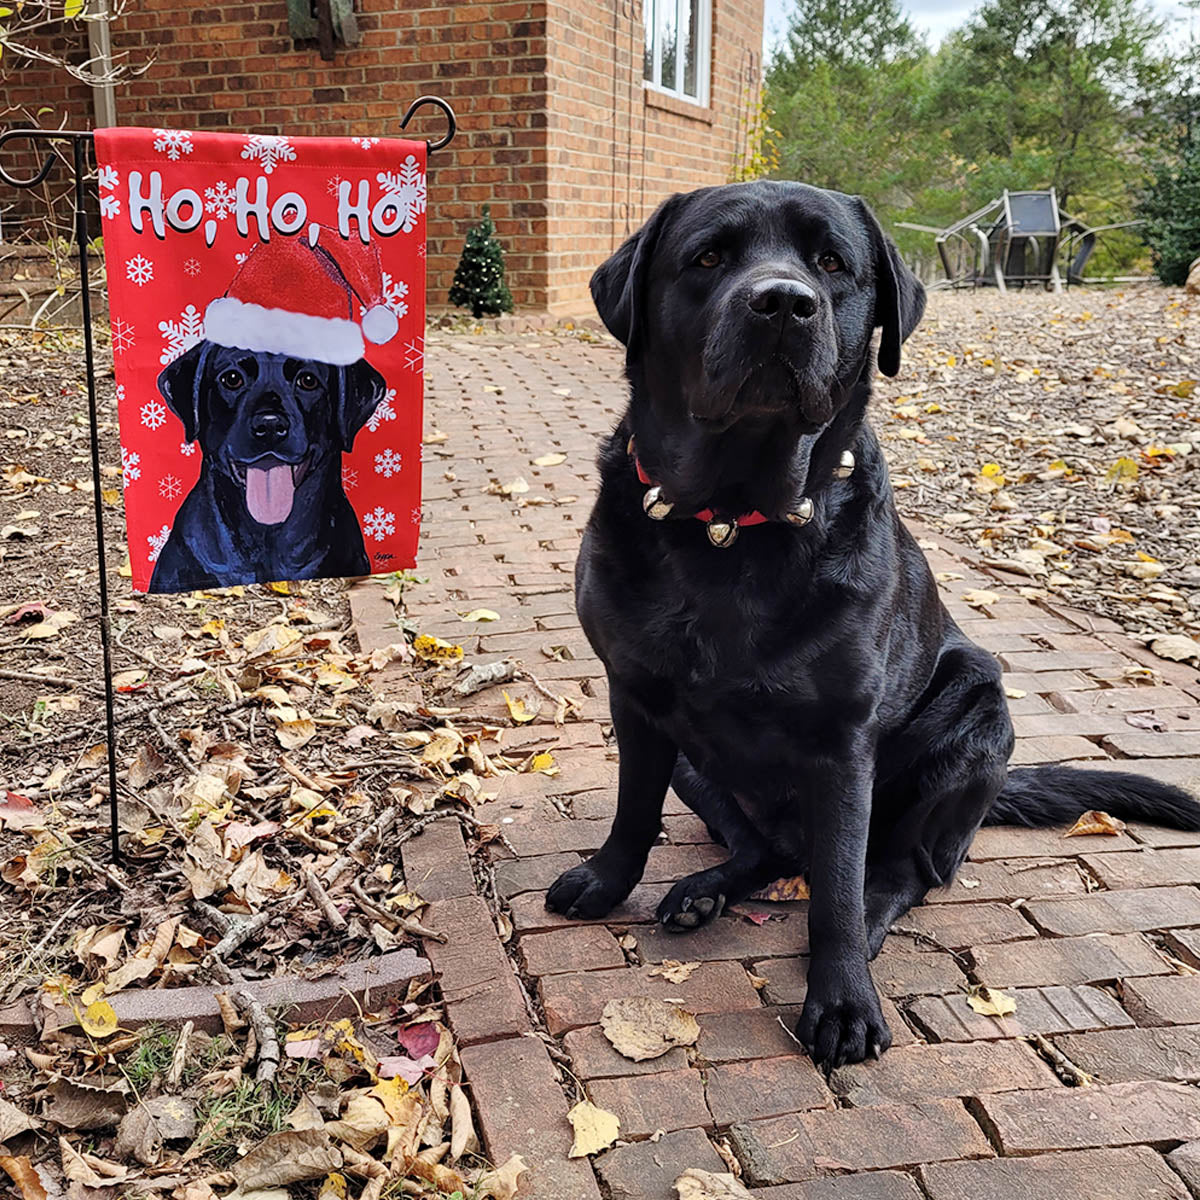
(269,493)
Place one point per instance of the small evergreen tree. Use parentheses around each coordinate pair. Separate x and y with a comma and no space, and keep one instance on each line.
(479,277)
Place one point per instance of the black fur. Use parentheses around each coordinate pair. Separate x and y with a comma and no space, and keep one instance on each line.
(284,411)
(804,689)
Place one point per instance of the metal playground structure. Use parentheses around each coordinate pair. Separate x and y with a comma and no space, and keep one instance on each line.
(1018,241)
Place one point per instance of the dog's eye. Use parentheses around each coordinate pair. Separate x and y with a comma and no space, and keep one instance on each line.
(830,262)
(710,258)
(231,380)
(307,381)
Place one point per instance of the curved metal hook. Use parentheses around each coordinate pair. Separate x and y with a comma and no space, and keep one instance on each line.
(35,135)
(451,120)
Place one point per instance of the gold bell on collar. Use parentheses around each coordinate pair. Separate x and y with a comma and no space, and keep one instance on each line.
(845,468)
(722,533)
(801,514)
(654,506)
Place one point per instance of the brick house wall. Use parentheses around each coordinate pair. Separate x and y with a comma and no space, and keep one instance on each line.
(554,129)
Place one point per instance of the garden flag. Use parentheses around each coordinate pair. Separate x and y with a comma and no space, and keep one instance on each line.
(267,298)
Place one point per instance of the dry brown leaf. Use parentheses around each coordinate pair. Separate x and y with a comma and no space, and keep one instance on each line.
(14,1121)
(463,1138)
(306,1114)
(695,1184)
(502,1183)
(204,863)
(674,971)
(990,1002)
(32,1183)
(363,1122)
(641,1028)
(595,1129)
(1176,647)
(75,1104)
(979,598)
(147,958)
(1095,821)
(149,1123)
(100,942)
(288,1157)
(794,888)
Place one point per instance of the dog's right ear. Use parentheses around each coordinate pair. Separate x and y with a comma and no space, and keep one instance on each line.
(619,283)
(180,382)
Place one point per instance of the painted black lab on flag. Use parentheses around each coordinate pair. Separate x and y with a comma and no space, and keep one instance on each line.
(774,641)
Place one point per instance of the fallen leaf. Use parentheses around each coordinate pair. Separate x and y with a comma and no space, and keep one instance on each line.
(288,1157)
(1015,693)
(549,460)
(502,1183)
(19,812)
(28,1178)
(1094,821)
(481,614)
(517,710)
(1177,647)
(641,1028)
(150,1123)
(695,1184)
(979,598)
(363,1122)
(432,649)
(421,1038)
(674,971)
(463,1138)
(14,1121)
(595,1129)
(990,1002)
(76,1104)
(99,1020)
(794,888)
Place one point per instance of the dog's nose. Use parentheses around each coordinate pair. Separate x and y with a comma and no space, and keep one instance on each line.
(269,427)
(771,297)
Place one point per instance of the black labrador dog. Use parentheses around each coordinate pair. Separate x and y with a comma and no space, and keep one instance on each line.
(269,503)
(784,660)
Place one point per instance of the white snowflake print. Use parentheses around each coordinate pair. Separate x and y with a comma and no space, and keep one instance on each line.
(129,467)
(414,354)
(379,523)
(139,270)
(416,516)
(365,142)
(122,336)
(187,449)
(332,184)
(108,177)
(154,414)
(172,143)
(192,267)
(269,150)
(120,393)
(387,464)
(240,258)
(421,250)
(383,411)
(407,188)
(394,291)
(181,335)
(219,199)
(110,207)
(169,487)
(157,542)
(349,478)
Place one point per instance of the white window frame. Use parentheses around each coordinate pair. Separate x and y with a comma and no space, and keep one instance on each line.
(650,9)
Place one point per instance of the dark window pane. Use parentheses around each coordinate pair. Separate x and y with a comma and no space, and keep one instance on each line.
(669,32)
(690,41)
(651,19)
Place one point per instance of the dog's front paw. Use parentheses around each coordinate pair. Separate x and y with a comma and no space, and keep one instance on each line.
(842,1022)
(589,890)
(690,903)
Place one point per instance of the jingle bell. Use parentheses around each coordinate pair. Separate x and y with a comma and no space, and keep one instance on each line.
(654,506)
(802,514)
(845,468)
(722,533)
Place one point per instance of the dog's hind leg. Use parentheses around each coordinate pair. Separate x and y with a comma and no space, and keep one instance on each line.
(932,794)
(727,825)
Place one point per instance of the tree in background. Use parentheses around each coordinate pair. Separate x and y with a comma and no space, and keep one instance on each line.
(479,277)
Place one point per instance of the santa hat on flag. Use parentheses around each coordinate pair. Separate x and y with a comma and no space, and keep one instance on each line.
(295,296)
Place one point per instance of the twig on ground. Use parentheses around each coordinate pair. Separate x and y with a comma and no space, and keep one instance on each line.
(180,1056)
(1066,1069)
(263,1029)
(483,675)
(323,902)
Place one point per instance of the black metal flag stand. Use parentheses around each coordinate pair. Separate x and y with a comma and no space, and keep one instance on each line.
(79,146)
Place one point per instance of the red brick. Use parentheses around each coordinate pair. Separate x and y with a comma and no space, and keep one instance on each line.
(593,1056)
(555,837)
(1163,999)
(1033,751)
(579,999)
(521,1109)
(584,948)
(1043,962)
(914,1073)
(1131,911)
(1185,944)
(1106,1174)
(530,914)
(648,1170)
(737,1036)
(870,1185)
(483,999)
(1186,1160)
(1160,838)
(1044,1010)
(517,875)
(1062,660)
(1010,880)
(896,973)
(1146,868)
(731,937)
(436,863)
(1119,1055)
(1003,841)
(647,1103)
(766,1087)
(1140,743)
(1119,1114)
(961,925)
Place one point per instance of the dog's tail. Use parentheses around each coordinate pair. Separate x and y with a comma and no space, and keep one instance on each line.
(1052,795)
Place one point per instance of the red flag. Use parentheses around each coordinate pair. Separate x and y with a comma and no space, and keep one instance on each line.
(267,299)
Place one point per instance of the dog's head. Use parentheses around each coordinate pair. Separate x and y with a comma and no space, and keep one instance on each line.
(757,300)
(266,422)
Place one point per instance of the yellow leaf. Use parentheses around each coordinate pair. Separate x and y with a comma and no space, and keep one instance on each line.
(390,1093)
(99,1020)
(544,763)
(1184,389)
(595,1129)
(481,614)
(990,1002)
(281,588)
(549,460)
(333,1187)
(90,995)
(1123,468)
(433,649)
(72,9)
(951,361)
(518,711)
(1093,821)
(990,470)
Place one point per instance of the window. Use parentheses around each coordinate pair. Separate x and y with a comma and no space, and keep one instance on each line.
(678,47)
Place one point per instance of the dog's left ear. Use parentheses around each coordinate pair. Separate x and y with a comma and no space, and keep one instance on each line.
(360,389)
(180,382)
(899,294)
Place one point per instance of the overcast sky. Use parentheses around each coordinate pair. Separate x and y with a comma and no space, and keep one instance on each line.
(936,17)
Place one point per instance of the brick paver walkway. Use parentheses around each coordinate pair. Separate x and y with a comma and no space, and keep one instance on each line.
(1096,937)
